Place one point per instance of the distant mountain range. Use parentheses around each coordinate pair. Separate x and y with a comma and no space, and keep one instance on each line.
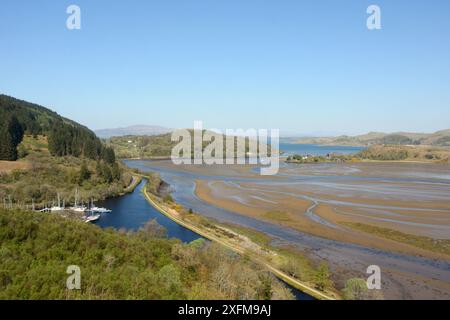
(138,130)
(439,138)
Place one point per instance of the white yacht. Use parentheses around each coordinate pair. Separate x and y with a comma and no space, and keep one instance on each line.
(96,209)
(79,209)
(91,218)
(100,210)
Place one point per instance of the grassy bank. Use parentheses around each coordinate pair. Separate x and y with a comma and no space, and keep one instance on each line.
(435,245)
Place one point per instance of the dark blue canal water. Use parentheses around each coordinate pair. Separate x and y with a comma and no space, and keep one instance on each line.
(132,211)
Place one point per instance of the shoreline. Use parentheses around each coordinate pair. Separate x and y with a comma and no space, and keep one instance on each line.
(242,251)
(132,186)
(391,261)
(368,161)
(146,158)
(284,159)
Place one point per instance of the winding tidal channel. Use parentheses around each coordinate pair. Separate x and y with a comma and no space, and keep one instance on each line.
(411,198)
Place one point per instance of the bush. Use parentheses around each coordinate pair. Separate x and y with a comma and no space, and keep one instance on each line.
(322,277)
(152,229)
(356,289)
(168,198)
(37,248)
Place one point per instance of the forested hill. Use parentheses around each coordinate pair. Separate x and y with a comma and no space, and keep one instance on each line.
(439,138)
(65,137)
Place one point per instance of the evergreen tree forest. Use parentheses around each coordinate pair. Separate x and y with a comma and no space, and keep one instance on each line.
(65,137)
(11,134)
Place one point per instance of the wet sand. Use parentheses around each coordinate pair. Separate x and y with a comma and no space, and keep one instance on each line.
(308,206)
(312,217)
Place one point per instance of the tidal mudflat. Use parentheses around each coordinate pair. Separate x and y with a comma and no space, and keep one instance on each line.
(395,215)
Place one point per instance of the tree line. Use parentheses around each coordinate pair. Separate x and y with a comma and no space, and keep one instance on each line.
(65,137)
(67,140)
(11,134)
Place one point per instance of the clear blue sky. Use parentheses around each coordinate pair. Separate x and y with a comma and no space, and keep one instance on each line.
(302,66)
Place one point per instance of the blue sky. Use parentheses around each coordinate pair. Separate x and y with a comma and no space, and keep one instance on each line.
(305,67)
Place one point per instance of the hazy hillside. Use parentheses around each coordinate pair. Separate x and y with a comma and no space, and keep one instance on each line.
(439,138)
(400,152)
(131,146)
(154,146)
(138,130)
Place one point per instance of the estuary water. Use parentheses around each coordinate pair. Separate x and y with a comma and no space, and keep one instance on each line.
(316,150)
(352,258)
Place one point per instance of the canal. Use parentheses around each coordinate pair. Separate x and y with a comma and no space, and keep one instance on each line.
(132,211)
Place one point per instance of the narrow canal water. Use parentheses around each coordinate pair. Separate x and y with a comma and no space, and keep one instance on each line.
(132,211)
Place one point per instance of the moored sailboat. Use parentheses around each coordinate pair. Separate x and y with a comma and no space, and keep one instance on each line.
(58,207)
(96,209)
(76,207)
